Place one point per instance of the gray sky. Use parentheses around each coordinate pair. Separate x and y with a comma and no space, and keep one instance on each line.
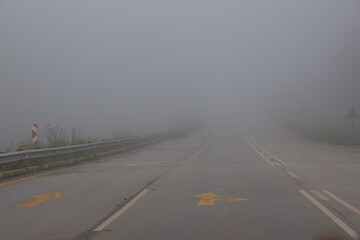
(152,64)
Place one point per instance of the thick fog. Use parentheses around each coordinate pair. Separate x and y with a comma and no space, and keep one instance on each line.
(151,65)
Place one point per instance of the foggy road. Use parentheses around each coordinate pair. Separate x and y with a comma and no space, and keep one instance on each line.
(269,91)
(237,185)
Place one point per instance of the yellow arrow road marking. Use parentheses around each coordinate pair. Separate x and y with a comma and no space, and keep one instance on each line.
(40,199)
(208,199)
(232,199)
(326,163)
(208,194)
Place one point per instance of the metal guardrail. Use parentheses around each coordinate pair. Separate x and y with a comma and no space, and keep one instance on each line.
(47,152)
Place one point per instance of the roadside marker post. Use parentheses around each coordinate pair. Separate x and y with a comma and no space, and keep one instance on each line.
(35,133)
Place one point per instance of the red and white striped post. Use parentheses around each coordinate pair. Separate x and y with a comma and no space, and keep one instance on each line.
(35,133)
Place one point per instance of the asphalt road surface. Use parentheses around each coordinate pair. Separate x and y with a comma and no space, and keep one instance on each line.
(227,185)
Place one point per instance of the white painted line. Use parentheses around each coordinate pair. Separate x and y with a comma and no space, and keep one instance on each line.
(278,164)
(292,174)
(332,216)
(267,152)
(319,195)
(121,211)
(271,155)
(277,159)
(352,208)
(258,151)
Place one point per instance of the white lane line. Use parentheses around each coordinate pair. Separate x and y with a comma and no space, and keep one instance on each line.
(319,195)
(278,164)
(258,151)
(121,211)
(267,152)
(339,200)
(332,216)
(292,174)
(277,159)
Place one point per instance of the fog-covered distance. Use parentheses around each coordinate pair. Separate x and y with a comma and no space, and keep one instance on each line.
(153,64)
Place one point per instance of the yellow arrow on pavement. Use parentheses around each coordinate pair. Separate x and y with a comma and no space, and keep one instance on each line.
(208,199)
(208,194)
(40,199)
(232,199)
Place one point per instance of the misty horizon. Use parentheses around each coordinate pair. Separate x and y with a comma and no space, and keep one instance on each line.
(148,66)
